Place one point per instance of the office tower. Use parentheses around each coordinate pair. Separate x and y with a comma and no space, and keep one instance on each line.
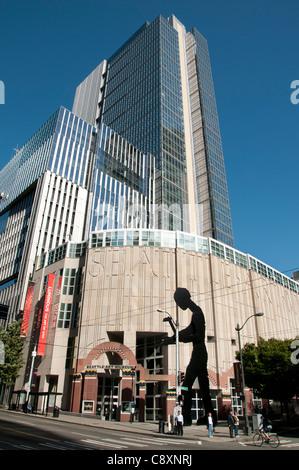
(88,95)
(69,179)
(157,92)
(211,183)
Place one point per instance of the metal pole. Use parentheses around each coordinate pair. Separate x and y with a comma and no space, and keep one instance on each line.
(175,329)
(177,360)
(31,373)
(247,427)
(238,328)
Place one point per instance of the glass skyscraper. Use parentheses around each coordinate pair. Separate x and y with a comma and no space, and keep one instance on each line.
(159,95)
(206,129)
(143,103)
(68,180)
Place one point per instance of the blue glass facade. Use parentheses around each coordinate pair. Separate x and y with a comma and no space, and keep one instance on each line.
(95,159)
(220,207)
(61,146)
(122,187)
(29,162)
(68,180)
(70,152)
(143,103)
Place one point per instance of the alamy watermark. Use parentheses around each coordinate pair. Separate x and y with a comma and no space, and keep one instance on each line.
(295,354)
(125,215)
(2,92)
(295,95)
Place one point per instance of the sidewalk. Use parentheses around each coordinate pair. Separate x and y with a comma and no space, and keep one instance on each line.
(194,432)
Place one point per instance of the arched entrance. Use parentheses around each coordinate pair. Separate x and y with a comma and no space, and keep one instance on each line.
(112,348)
(106,383)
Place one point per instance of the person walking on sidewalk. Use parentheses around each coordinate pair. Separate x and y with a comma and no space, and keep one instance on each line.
(231,424)
(179,421)
(210,424)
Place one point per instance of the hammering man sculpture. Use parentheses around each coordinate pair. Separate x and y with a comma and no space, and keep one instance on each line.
(197,367)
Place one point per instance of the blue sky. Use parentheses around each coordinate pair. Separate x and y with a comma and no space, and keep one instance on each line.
(48,47)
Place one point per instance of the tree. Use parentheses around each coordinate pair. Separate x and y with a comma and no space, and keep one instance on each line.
(269,370)
(13,346)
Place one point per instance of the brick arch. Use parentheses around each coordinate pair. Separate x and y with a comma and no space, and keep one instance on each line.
(213,378)
(110,346)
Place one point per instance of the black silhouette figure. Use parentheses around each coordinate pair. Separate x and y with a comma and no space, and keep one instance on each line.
(197,366)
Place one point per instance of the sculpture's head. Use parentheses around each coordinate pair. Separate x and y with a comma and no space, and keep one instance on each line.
(182,297)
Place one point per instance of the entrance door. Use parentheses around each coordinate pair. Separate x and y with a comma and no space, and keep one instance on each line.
(153,401)
(197,410)
(108,396)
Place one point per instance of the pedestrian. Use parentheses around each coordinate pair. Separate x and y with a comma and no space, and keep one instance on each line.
(210,424)
(179,421)
(230,422)
(107,414)
(236,424)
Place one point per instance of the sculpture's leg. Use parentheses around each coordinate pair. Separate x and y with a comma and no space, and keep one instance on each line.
(186,390)
(203,381)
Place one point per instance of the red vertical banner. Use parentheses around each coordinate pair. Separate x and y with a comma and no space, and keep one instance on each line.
(238,377)
(46,314)
(27,310)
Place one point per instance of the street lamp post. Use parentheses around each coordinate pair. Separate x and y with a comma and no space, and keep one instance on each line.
(238,329)
(33,355)
(175,329)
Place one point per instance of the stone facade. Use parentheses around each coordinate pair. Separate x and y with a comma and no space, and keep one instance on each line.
(116,360)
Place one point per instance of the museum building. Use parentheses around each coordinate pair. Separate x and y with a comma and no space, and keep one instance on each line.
(100,352)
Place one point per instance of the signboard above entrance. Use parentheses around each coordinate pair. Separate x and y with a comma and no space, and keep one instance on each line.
(110,366)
